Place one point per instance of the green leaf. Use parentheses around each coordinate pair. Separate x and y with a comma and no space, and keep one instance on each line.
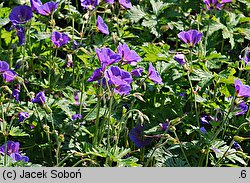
(4,21)
(215,26)
(220,148)
(6,36)
(199,99)
(246,2)
(227,33)
(43,35)
(149,23)
(158,6)
(151,52)
(136,13)
(203,77)
(4,13)
(16,131)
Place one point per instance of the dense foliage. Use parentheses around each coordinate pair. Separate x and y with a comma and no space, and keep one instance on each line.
(159,83)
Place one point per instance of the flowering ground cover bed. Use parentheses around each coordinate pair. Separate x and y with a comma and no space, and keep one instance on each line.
(124,83)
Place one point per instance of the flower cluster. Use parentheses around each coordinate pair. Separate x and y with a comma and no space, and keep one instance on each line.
(13,151)
(114,75)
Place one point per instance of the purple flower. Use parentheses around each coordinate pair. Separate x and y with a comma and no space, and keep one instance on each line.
(9,76)
(215,4)
(191,37)
(59,39)
(32,126)
(48,8)
(203,130)
(137,136)
(182,94)
(236,146)
(242,107)
(137,72)
(39,98)
(205,119)
(20,14)
(180,58)
(13,151)
(128,56)
(154,75)
(22,116)
(35,4)
(89,4)
(120,79)
(164,126)
(107,57)
(97,75)
(125,3)
(75,45)
(103,28)
(240,89)
(21,34)
(76,116)
(15,94)
(4,66)
(246,56)
(110,1)
(76,97)
(19,157)
(12,147)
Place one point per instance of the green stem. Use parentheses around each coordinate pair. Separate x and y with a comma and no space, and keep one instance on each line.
(28,93)
(97,115)
(195,103)
(82,91)
(225,123)
(0,37)
(208,27)
(110,109)
(61,162)
(5,151)
(120,127)
(181,146)
(5,136)
(52,121)
(58,152)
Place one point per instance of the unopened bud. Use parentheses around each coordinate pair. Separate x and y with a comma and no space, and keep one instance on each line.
(46,108)
(61,138)
(46,128)
(19,79)
(240,139)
